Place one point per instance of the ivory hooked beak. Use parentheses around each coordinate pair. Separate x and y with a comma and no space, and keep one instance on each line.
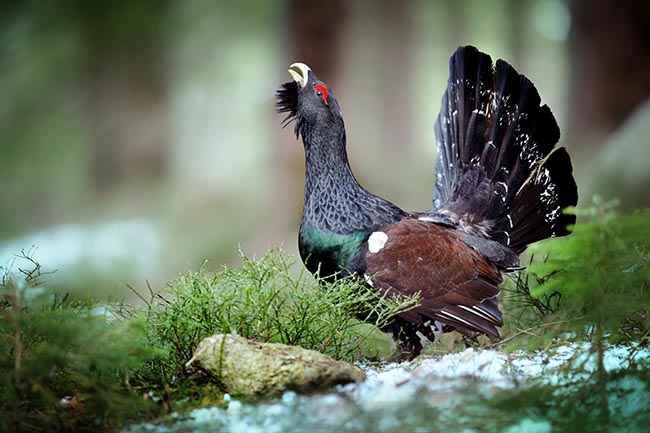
(300,73)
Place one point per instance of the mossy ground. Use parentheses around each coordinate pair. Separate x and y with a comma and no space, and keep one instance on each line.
(82,365)
(76,364)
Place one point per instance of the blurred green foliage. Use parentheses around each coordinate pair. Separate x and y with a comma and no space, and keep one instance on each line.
(601,271)
(592,283)
(66,364)
(586,291)
(583,294)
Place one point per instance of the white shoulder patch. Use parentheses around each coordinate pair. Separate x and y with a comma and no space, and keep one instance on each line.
(376,241)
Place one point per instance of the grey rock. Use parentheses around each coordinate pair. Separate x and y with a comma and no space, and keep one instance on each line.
(248,368)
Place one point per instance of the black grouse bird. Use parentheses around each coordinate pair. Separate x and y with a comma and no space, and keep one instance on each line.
(500,186)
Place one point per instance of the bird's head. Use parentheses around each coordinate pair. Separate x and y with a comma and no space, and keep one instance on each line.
(308,101)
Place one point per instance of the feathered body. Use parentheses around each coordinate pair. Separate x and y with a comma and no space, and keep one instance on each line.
(500,185)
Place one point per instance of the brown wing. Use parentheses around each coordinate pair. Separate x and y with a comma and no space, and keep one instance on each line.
(457,286)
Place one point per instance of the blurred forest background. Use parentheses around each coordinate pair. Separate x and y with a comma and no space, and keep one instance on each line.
(139,138)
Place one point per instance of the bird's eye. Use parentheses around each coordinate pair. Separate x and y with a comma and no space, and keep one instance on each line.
(321,92)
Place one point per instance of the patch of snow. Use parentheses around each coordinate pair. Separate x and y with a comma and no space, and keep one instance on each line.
(428,395)
(528,425)
(628,396)
(133,245)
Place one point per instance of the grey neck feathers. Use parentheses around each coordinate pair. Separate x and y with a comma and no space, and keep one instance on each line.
(334,200)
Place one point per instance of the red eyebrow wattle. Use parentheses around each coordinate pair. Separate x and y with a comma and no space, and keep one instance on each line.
(323,89)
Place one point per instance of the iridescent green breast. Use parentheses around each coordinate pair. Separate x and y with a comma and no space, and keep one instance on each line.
(328,252)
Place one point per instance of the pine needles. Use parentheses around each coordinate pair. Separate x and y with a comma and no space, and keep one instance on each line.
(602,272)
(590,291)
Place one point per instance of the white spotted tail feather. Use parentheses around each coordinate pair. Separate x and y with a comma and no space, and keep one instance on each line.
(497,173)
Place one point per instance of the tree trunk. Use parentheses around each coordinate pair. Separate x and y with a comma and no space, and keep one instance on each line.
(125,91)
(610,59)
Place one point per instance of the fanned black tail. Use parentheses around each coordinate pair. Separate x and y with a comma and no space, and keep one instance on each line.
(497,174)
